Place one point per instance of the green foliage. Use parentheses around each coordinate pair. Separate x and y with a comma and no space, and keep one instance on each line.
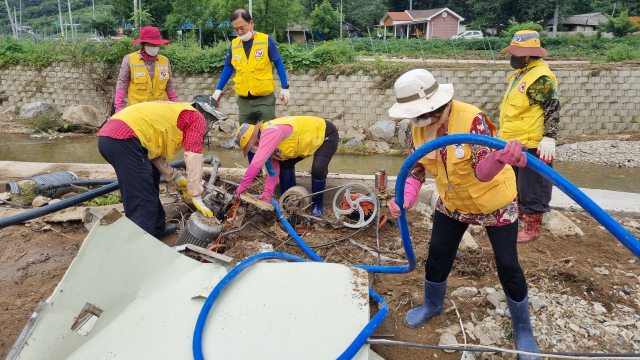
(104,25)
(143,18)
(620,25)
(297,58)
(515,27)
(104,200)
(325,20)
(47,121)
(622,53)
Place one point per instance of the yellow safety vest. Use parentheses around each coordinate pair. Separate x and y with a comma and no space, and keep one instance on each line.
(307,136)
(155,124)
(253,75)
(457,184)
(141,88)
(518,119)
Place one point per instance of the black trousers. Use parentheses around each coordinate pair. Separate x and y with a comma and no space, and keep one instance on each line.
(445,239)
(534,191)
(322,156)
(139,182)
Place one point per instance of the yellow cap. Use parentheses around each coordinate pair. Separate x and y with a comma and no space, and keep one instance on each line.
(526,43)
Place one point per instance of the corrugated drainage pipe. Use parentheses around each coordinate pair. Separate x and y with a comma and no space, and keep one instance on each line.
(55,178)
(46,210)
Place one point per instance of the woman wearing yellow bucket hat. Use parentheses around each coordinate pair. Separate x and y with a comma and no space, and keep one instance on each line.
(530,113)
(284,142)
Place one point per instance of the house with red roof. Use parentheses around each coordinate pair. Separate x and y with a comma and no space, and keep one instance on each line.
(441,23)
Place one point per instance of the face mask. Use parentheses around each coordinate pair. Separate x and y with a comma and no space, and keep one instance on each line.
(421,122)
(152,50)
(246,37)
(254,149)
(518,62)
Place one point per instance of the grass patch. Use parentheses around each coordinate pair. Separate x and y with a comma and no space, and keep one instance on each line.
(48,121)
(110,199)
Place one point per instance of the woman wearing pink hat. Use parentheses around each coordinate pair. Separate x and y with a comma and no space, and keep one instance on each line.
(145,73)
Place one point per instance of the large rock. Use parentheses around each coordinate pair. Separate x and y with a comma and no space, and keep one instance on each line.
(496,298)
(355,142)
(468,242)
(353,133)
(382,145)
(404,132)
(560,225)
(32,109)
(384,129)
(84,115)
(228,126)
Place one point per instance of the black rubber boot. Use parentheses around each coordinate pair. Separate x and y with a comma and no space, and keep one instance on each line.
(316,186)
(522,331)
(433,305)
(168,230)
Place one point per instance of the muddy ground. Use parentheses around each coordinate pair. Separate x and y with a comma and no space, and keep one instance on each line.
(33,262)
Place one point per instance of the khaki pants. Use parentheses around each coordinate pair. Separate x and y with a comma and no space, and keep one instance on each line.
(256,108)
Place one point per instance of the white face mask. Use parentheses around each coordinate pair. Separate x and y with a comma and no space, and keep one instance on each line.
(419,122)
(246,37)
(254,149)
(152,50)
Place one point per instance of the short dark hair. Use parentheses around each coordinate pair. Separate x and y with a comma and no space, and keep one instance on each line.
(244,14)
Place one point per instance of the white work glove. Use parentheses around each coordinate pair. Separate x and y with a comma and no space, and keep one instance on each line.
(285,96)
(199,204)
(181,183)
(547,150)
(216,95)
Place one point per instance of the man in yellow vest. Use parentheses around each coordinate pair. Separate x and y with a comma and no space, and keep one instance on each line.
(145,74)
(137,142)
(283,143)
(530,113)
(251,55)
(474,186)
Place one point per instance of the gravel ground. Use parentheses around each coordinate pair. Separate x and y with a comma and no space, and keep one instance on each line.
(604,152)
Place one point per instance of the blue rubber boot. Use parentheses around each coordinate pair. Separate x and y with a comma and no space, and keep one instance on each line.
(287,180)
(522,331)
(316,186)
(250,156)
(433,304)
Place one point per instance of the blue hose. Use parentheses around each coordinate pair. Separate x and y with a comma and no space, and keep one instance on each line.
(558,180)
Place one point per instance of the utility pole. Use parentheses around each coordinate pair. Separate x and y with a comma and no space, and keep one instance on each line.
(13,26)
(140,11)
(70,19)
(93,3)
(410,4)
(340,24)
(135,9)
(555,20)
(614,8)
(251,8)
(60,13)
(21,37)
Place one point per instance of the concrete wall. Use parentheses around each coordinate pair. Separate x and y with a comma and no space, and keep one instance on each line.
(592,100)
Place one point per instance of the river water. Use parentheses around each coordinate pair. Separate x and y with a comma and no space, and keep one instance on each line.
(85,150)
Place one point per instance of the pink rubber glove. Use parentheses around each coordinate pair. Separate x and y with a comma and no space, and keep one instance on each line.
(411,191)
(270,184)
(248,177)
(119,100)
(512,155)
(172,96)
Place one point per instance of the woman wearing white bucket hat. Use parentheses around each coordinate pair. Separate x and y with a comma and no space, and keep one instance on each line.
(474,187)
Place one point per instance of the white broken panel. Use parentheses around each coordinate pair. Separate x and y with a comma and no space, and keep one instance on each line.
(145,291)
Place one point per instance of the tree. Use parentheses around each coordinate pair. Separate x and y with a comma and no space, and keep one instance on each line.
(157,9)
(325,20)
(104,25)
(270,16)
(364,13)
(620,26)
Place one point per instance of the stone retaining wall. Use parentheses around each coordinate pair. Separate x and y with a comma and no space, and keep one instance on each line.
(592,100)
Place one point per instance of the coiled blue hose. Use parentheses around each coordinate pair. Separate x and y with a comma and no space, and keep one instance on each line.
(558,180)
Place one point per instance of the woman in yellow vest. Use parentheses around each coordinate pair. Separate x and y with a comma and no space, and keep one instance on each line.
(137,142)
(251,55)
(474,187)
(529,113)
(284,142)
(145,74)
